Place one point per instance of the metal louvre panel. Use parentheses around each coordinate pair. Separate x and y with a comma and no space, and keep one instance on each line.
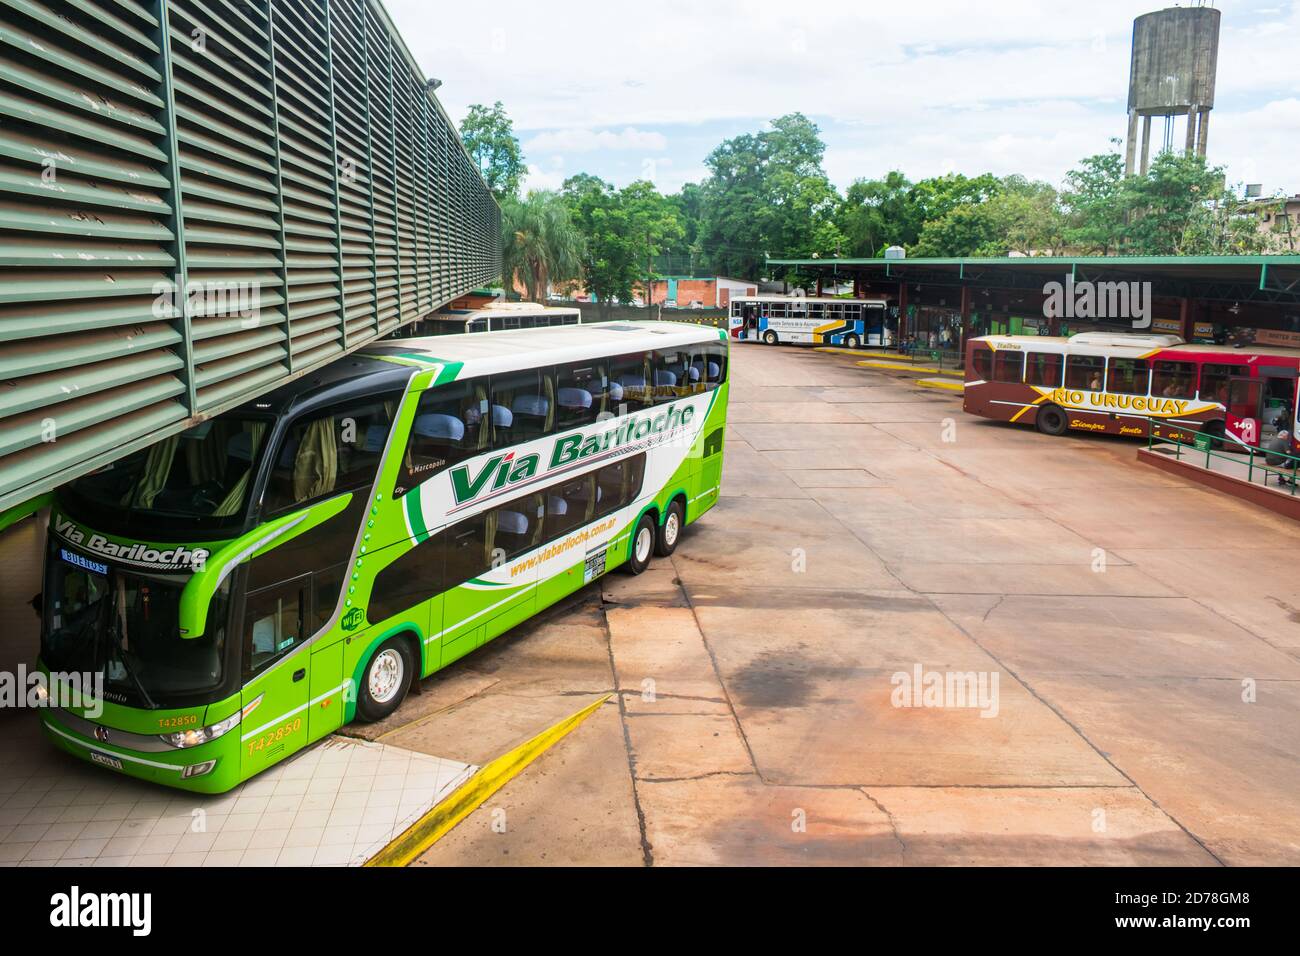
(200,198)
(86,243)
(225,126)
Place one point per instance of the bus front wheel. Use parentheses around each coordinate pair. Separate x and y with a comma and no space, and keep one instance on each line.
(670,532)
(769,337)
(386,680)
(1052,420)
(643,545)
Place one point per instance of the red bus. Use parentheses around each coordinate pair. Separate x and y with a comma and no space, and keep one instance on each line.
(1130,384)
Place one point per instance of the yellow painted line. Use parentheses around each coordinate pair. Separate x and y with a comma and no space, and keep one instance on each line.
(470,795)
(941,383)
(1038,401)
(840,350)
(900,367)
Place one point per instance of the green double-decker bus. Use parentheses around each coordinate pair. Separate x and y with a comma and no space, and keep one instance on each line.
(246,587)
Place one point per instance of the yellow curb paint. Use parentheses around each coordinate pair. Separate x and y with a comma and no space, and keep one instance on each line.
(838,350)
(925,369)
(940,383)
(470,795)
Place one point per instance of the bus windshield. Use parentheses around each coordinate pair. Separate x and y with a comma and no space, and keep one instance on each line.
(104,620)
(201,476)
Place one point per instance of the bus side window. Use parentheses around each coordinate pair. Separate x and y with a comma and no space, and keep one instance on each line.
(581,395)
(273,624)
(325,453)
(1214,382)
(569,505)
(514,527)
(1174,379)
(448,428)
(465,550)
(1128,376)
(618,485)
(1043,369)
(1008,366)
(1085,372)
(983,363)
(523,406)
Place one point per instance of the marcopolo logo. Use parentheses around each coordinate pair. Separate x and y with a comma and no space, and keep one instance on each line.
(506,469)
(77,909)
(1130,301)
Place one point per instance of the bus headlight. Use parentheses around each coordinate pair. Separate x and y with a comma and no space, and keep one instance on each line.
(185,739)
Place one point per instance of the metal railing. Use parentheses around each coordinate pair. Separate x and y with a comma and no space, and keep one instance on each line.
(1204,443)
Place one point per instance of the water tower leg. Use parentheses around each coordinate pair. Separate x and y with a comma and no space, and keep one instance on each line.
(1131,154)
(1146,144)
(1192,112)
(1203,134)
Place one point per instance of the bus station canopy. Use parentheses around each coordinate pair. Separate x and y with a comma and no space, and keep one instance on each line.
(1265,280)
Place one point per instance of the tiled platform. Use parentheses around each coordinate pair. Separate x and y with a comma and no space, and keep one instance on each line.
(335,804)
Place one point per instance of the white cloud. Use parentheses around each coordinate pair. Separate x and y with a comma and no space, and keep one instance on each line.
(1026,84)
(590,140)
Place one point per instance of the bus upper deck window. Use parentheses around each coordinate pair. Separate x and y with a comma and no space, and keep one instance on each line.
(325,453)
(527,406)
(449,427)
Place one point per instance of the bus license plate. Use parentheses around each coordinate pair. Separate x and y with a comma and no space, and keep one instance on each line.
(594,567)
(106,760)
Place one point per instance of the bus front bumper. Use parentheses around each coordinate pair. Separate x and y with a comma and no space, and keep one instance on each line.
(208,768)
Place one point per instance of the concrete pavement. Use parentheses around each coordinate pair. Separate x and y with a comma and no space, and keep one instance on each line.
(904,636)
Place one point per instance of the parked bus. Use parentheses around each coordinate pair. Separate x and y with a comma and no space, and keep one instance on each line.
(774,319)
(1130,384)
(252,584)
(497,317)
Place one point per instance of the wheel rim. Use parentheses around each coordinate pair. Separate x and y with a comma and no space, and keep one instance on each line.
(386,676)
(671,528)
(644,541)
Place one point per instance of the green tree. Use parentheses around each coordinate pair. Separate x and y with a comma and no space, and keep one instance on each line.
(1094,209)
(488,135)
(878,213)
(1182,207)
(623,231)
(540,243)
(767,193)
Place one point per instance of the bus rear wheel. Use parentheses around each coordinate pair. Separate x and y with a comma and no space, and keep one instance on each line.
(670,532)
(769,337)
(643,545)
(1052,420)
(852,341)
(386,680)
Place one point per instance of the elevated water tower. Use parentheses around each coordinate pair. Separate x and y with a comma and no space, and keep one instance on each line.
(1173,71)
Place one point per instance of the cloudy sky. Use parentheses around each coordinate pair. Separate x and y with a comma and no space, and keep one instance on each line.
(630,91)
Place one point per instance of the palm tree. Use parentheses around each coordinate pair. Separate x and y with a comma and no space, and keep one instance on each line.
(539,242)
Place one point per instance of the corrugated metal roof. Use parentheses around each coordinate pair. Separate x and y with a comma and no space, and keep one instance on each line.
(281,160)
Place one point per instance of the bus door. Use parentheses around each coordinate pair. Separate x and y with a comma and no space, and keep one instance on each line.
(277,684)
(1242,418)
(1277,400)
(749,330)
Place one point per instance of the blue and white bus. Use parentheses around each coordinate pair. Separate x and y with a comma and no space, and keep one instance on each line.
(776,320)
